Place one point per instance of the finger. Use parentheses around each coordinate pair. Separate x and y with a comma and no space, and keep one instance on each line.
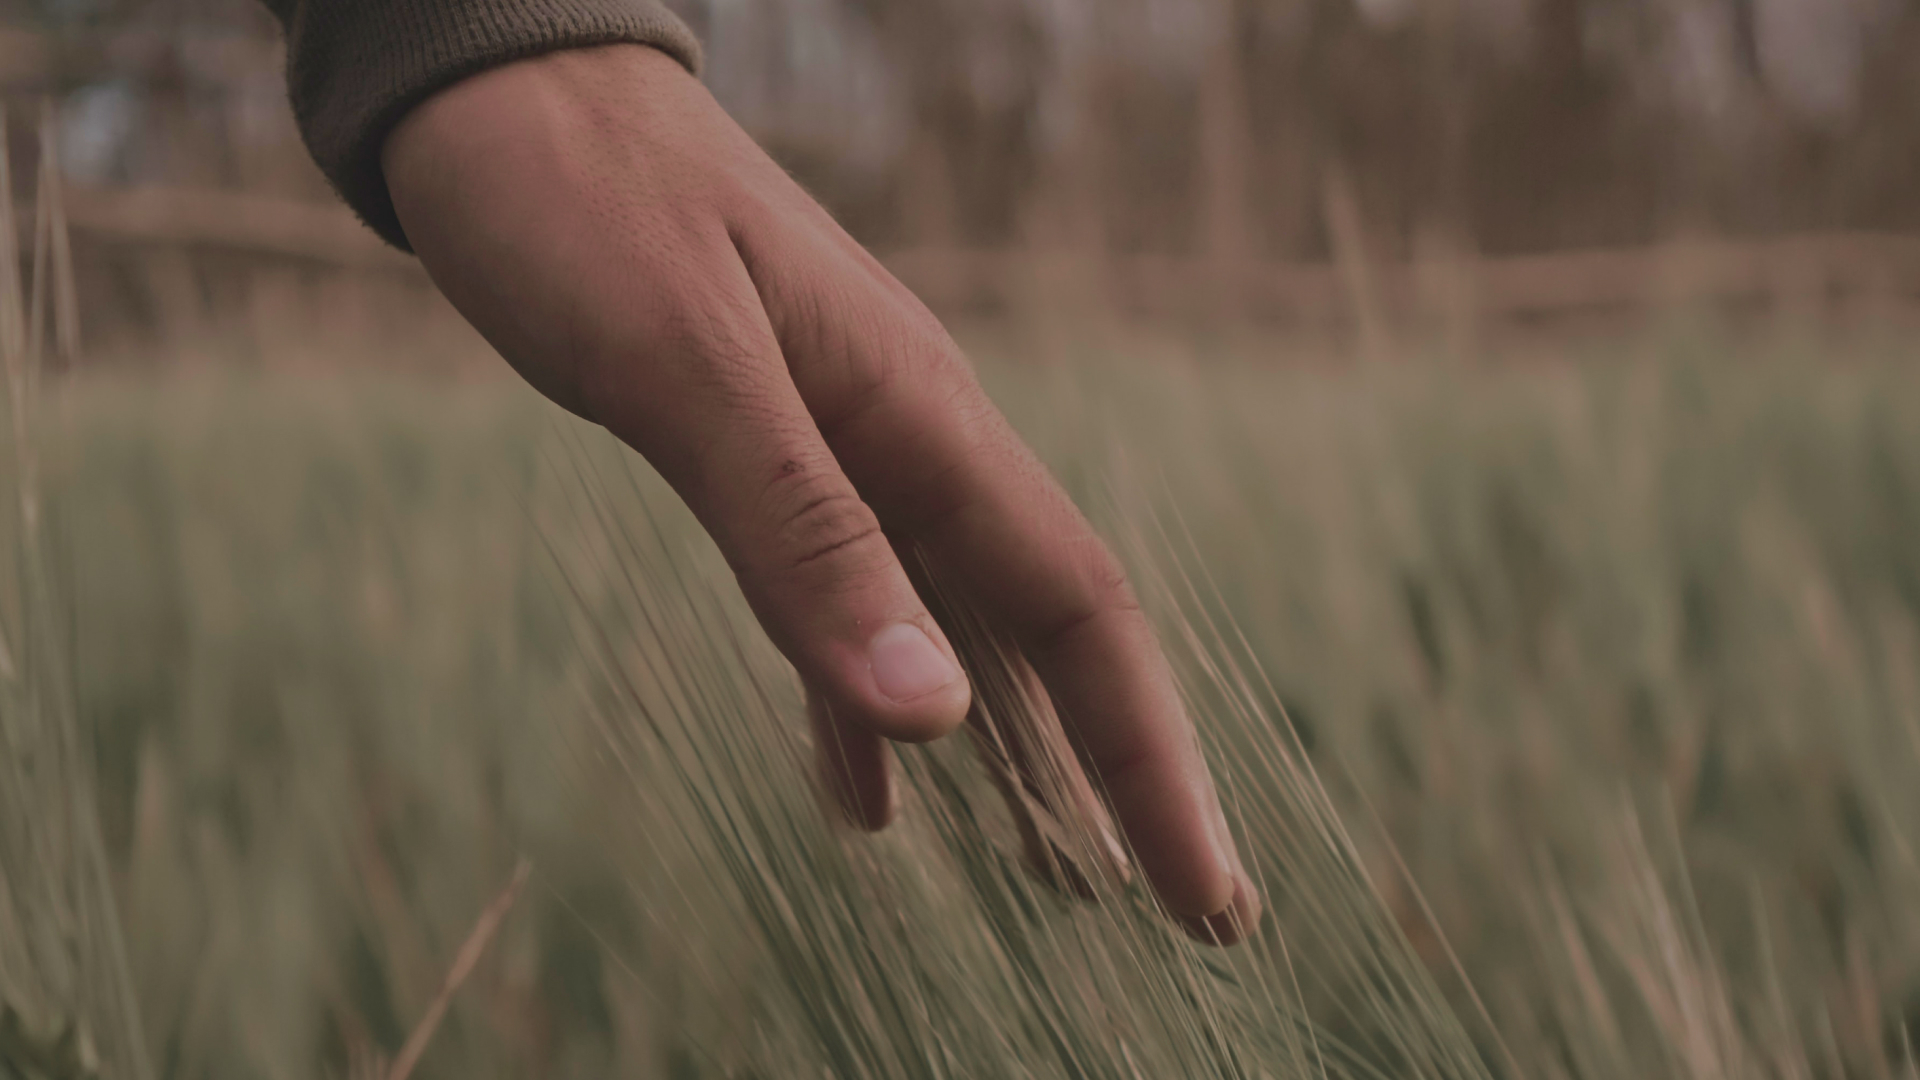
(855,767)
(1067,838)
(1036,564)
(710,403)
(1230,927)
(1066,833)
(918,437)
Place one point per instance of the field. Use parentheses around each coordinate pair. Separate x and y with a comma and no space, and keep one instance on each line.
(1607,669)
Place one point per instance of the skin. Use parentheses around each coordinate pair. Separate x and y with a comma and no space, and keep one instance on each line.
(640,261)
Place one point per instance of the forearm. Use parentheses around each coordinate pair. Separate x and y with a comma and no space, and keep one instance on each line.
(354,67)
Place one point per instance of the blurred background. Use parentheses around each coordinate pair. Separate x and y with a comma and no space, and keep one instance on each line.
(1322,166)
(1536,379)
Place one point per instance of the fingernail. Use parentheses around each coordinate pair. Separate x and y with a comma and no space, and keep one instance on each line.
(907,664)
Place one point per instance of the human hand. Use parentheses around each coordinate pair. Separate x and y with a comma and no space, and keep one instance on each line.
(633,254)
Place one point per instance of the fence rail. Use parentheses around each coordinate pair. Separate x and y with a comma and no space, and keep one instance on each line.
(1810,272)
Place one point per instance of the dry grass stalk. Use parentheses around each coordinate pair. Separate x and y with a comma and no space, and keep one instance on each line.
(62,952)
(464,962)
(1066,834)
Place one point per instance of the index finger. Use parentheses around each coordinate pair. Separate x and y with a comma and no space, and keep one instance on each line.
(911,427)
(938,463)
(1036,564)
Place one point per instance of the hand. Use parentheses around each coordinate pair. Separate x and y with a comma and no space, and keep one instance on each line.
(640,261)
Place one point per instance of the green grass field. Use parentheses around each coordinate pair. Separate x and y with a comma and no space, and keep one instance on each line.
(1609,673)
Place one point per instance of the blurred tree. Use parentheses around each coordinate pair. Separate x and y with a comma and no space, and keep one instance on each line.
(1155,125)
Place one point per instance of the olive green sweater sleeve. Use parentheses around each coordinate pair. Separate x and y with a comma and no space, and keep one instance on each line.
(354,67)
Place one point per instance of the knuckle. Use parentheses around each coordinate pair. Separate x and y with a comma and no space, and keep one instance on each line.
(1102,592)
(817,517)
(886,360)
(689,323)
(931,355)
(1108,591)
(1107,580)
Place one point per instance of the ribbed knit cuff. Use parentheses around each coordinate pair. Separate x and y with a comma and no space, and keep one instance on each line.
(354,67)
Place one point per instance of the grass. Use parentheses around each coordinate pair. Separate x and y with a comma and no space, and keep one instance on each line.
(67,1005)
(1571,714)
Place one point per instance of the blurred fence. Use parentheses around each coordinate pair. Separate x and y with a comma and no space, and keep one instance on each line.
(1812,275)
(1347,166)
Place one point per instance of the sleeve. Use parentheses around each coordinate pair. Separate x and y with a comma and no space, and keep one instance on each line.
(354,67)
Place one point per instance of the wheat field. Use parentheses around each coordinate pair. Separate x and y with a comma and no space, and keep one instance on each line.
(1569,710)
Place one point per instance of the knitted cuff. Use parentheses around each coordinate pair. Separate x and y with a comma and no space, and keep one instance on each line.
(354,68)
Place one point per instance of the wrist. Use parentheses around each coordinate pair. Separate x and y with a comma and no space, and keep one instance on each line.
(507,112)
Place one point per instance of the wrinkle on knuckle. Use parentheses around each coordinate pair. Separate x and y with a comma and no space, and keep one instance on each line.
(1102,593)
(975,413)
(936,500)
(729,344)
(685,326)
(814,516)
(861,366)
(881,359)
(1120,757)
